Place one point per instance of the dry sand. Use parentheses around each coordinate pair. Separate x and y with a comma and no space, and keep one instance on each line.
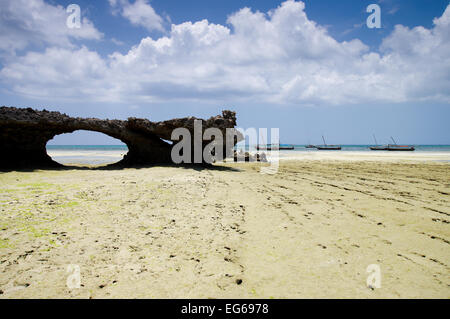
(169,232)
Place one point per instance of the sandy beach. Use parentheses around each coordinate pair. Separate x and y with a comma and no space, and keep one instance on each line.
(309,231)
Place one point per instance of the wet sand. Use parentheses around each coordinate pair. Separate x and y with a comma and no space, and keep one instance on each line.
(169,232)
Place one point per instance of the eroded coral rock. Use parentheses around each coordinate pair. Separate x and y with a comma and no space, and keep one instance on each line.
(24,133)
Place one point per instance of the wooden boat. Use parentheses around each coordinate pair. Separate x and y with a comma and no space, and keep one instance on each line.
(327,147)
(400,147)
(378,147)
(274,147)
(392,147)
(310,146)
(269,147)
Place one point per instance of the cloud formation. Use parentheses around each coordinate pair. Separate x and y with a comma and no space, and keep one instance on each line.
(278,57)
(139,13)
(34,22)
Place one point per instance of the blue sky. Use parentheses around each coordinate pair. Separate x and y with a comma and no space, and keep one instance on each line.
(309,68)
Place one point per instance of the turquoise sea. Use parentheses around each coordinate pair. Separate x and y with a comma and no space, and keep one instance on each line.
(361,148)
(88,147)
(419,148)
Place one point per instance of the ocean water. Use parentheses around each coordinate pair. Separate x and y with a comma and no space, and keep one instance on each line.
(354,148)
(88,147)
(297,147)
(106,154)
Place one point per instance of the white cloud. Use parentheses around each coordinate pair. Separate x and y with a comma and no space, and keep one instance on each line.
(279,57)
(34,22)
(139,13)
(117,42)
(60,72)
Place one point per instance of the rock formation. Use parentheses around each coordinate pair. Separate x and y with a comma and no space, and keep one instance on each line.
(24,134)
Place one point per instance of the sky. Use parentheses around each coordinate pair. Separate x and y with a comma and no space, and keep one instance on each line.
(309,68)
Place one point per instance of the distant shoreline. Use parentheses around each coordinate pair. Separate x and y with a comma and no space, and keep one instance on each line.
(107,154)
(297,147)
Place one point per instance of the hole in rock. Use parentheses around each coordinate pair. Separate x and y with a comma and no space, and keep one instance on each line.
(86,148)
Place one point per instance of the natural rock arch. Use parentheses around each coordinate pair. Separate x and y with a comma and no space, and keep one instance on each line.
(24,134)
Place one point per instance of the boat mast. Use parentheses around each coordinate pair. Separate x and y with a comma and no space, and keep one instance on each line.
(323,138)
(393,140)
(376,143)
(262,137)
